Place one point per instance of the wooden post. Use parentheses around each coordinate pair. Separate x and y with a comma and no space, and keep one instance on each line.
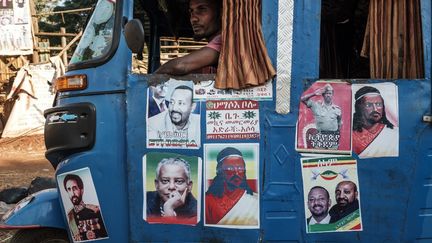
(63,44)
(35,25)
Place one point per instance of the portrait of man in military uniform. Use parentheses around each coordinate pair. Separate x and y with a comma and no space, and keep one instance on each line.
(84,219)
(325,117)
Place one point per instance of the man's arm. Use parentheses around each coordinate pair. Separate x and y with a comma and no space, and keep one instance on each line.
(306,97)
(184,65)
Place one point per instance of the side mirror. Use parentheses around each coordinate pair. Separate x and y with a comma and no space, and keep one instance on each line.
(134,33)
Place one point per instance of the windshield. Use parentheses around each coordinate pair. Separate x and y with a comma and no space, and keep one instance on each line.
(98,35)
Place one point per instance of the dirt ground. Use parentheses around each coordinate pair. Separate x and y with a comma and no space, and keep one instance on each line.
(21,160)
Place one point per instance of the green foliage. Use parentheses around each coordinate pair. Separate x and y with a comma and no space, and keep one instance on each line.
(73,22)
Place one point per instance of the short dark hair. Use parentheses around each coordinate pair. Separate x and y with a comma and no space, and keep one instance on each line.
(322,188)
(75,178)
(184,87)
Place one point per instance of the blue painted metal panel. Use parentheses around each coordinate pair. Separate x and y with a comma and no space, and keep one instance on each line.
(396,192)
(106,161)
(43,210)
(140,230)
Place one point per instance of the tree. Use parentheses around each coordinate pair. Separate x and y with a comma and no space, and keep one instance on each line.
(73,22)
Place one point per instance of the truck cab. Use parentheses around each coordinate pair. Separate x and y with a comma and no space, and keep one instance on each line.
(273,146)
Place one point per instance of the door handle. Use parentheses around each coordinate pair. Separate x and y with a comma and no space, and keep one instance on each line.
(427,118)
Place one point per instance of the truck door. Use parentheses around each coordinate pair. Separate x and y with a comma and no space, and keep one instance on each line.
(395,190)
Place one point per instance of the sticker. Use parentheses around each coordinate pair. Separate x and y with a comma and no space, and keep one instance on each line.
(15,28)
(324,122)
(105,9)
(81,205)
(331,194)
(232,185)
(236,119)
(172,184)
(179,125)
(205,90)
(375,120)
(156,99)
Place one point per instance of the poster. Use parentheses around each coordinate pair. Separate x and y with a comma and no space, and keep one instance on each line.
(331,194)
(31,86)
(232,185)
(15,28)
(232,119)
(178,124)
(205,90)
(172,188)
(324,122)
(375,120)
(81,205)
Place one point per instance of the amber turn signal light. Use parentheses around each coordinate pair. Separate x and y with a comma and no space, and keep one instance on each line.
(70,83)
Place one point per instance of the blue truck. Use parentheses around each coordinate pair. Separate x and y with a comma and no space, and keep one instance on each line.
(304,166)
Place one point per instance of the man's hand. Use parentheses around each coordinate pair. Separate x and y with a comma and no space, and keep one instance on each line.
(319,91)
(176,200)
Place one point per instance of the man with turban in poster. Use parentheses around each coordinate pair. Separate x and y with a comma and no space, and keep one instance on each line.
(230,200)
(373,134)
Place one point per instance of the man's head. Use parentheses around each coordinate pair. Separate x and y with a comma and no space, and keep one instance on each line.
(231,167)
(159,91)
(328,94)
(172,175)
(369,109)
(74,188)
(230,173)
(318,202)
(346,193)
(205,18)
(181,105)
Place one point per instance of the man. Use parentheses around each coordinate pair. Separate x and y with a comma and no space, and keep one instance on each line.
(173,197)
(373,134)
(318,204)
(327,115)
(157,102)
(177,127)
(205,18)
(347,202)
(85,220)
(229,200)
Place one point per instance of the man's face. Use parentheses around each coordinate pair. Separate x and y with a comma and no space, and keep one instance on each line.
(74,192)
(159,91)
(172,178)
(180,106)
(345,194)
(328,95)
(318,202)
(372,108)
(204,18)
(234,171)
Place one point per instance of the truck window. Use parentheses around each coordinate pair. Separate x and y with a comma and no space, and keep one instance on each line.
(359,40)
(98,35)
(168,34)
(242,50)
